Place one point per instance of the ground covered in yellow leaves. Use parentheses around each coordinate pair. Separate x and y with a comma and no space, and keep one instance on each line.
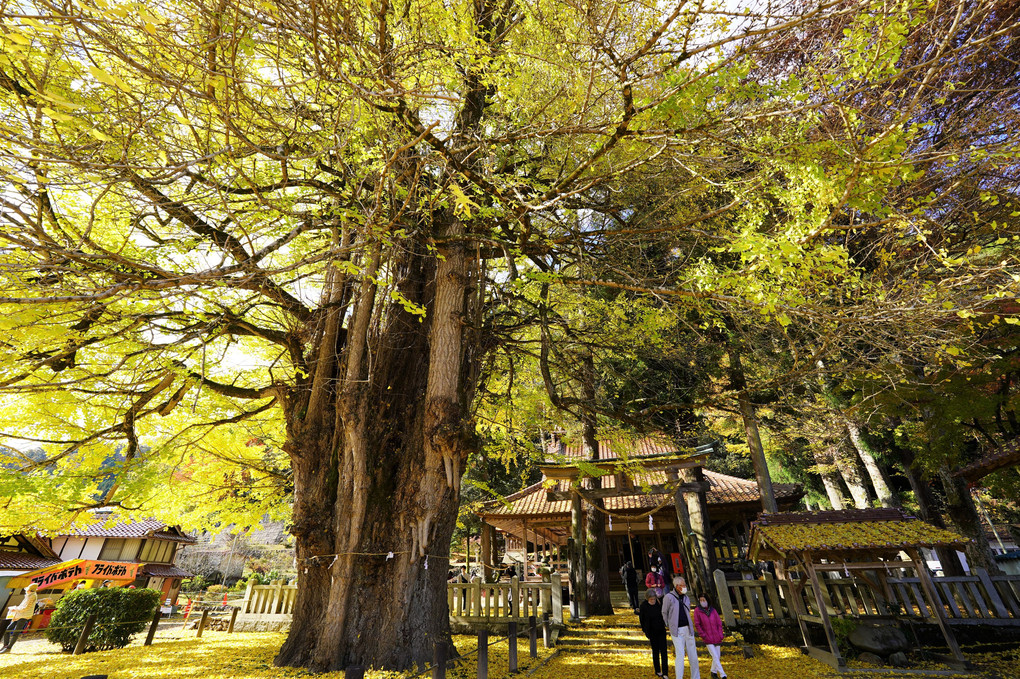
(605,654)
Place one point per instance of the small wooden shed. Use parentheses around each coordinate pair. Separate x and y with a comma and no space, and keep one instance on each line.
(860,540)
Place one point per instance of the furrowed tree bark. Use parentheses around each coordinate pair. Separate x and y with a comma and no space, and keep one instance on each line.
(847,463)
(825,463)
(393,462)
(761,468)
(871,465)
(962,512)
(599,600)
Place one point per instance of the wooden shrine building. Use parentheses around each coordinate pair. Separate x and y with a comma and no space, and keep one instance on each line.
(640,481)
(870,544)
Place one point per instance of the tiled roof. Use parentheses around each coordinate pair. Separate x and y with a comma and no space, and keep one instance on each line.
(614,449)
(22,561)
(846,531)
(723,490)
(149,528)
(162,570)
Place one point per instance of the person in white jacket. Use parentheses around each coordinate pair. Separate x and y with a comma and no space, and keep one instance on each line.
(20,616)
(676,612)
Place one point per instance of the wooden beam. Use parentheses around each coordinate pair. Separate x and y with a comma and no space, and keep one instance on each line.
(936,605)
(823,612)
(603,493)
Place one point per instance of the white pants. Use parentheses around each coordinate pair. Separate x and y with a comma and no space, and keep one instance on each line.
(713,650)
(685,643)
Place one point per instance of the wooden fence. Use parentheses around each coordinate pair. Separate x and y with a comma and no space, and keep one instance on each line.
(975,599)
(502,602)
(267,607)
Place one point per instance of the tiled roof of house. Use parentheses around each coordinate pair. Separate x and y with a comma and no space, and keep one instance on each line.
(149,528)
(723,490)
(22,561)
(845,531)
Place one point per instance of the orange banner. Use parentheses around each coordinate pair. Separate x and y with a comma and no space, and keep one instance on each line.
(78,569)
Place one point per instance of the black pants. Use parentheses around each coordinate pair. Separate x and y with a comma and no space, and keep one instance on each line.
(14,631)
(632,595)
(660,654)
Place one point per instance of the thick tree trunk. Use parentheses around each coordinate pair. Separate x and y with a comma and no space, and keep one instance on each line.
(761,469)
(875,472)
(962,512)
(927,507)
(825,464)
(599,600)
(848,464)
(377,458)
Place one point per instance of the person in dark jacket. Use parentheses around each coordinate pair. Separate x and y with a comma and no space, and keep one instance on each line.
(658,559)
(654,627)
(629,576)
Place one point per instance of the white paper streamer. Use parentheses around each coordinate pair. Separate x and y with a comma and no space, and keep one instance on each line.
(651,523)
(610,522)
(426,562)
(389,556)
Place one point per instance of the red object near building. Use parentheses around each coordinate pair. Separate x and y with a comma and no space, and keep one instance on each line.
(678,564)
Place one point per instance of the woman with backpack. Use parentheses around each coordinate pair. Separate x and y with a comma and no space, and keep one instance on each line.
(709,626)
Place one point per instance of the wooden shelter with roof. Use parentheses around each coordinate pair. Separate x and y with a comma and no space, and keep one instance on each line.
(868,542)
(653,494)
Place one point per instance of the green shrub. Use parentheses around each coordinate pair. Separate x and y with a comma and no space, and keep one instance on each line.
(120,613)
(195,584)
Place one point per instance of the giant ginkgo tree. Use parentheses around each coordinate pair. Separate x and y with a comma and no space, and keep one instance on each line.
(308,221)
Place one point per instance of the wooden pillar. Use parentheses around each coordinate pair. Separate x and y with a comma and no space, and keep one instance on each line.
(697,577)
(578,577)
(936,605)
(823,611)
(701,524)
(524,551)
(485,557)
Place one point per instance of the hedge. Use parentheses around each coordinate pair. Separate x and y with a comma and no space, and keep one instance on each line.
(120,614)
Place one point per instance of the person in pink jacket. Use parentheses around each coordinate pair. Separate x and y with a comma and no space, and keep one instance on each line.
(709,627)
(654,580)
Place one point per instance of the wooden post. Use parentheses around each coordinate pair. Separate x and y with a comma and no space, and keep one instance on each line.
(991,593)
(524,529)
(485,557)
(533,636)
(202,622)
(557,597)
(483,654)
(775,603)
(579,590)
(476,597)
(546,631)
(90,622)
(511,637)
(233,619)
(515,597)
(823,611)
(248,591)
(277,597)
(723,597)
(354,672)
(439,661)
(936,605)
(152,628)
(696,576)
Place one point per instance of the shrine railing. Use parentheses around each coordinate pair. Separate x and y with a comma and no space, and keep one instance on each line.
(979,598)
(473,602)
